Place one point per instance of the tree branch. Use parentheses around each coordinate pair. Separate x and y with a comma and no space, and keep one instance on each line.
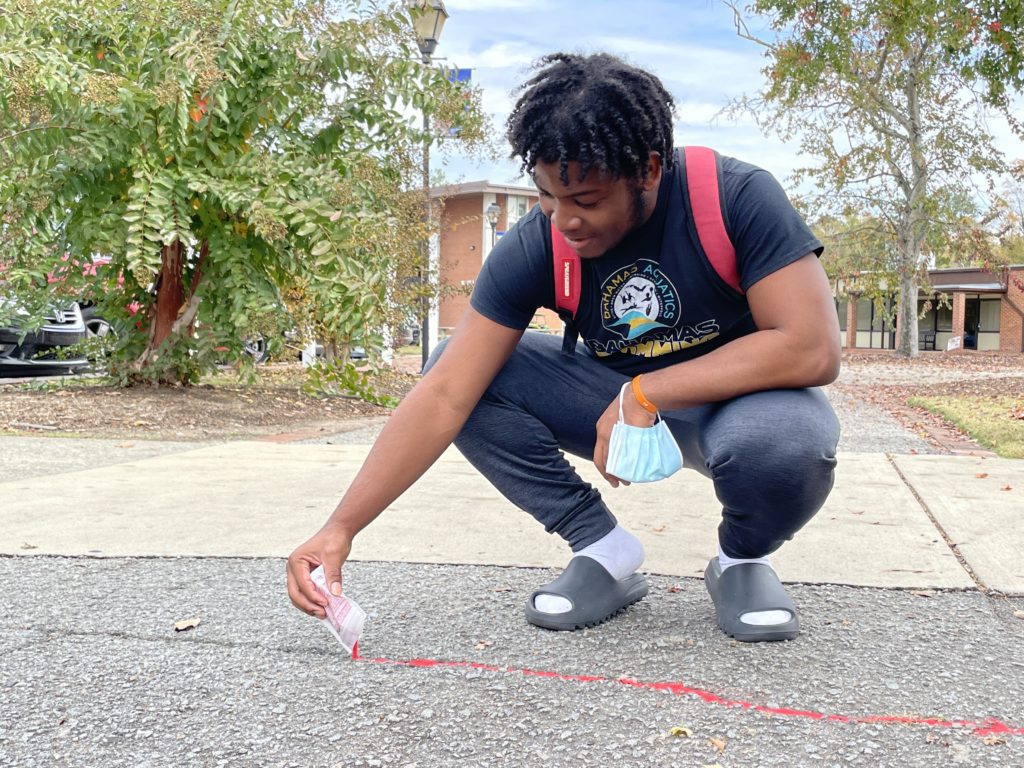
(742,30)
(16,134)
(187,316)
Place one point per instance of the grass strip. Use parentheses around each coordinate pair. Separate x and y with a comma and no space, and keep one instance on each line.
(994,422)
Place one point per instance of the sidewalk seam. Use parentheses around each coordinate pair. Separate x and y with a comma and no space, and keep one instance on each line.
(984,588)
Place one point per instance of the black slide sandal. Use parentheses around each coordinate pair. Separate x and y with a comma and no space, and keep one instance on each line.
(594,594)
(746,588)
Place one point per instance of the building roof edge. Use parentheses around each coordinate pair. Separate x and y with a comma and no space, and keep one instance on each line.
(480,187)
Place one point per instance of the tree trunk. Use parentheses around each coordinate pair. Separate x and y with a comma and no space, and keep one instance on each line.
(906,323)
(912,221)
(906,309)
(172,314)
(170,295)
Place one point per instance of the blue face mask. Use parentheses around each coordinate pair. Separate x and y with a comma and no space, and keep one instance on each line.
(642,454)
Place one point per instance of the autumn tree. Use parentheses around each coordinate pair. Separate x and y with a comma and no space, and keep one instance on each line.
(889,103)
(222,154)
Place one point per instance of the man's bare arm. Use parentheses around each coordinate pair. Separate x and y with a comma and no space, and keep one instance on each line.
(418,432)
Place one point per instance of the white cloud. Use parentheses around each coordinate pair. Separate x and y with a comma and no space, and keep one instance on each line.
(505,55)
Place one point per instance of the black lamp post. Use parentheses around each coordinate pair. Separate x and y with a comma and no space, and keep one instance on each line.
(428,18)
(492,212)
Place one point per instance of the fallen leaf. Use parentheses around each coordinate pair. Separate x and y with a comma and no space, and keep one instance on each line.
(922,592)
(673,589)
(186,624)
(483,645)
(992,740)
(982,475)
(718,744)
(659,529)
(1006,487)
(26,545)
(680,730)
(1018,614)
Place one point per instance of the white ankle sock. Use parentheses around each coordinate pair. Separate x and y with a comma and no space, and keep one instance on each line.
(758,618)
(619,551)
(728,562)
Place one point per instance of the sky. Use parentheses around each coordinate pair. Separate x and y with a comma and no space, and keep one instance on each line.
(691,45)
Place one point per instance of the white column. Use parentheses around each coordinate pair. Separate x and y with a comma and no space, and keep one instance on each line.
(435,310)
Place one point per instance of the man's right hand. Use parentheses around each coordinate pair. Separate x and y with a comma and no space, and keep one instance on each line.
(330,547)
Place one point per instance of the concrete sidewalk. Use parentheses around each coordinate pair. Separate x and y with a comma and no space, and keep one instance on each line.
(892,521)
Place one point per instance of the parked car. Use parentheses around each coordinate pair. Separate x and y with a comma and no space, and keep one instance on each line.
(39,352)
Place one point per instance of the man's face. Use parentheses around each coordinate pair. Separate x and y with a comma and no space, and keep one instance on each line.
(596,213)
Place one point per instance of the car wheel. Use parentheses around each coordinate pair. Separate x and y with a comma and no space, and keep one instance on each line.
(97,327)
(256,348)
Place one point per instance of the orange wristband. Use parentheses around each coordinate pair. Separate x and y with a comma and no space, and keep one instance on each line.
(646,404)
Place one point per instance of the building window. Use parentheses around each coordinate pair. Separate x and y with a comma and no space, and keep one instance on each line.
(518,206)
(863,315)
(944,319)
(841,305)
(989,315)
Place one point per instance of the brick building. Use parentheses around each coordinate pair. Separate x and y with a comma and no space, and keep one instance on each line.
(467,237)
(982,311)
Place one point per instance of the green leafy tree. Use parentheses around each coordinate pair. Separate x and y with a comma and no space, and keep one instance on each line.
(890,100)
(223,155)
(1008,227)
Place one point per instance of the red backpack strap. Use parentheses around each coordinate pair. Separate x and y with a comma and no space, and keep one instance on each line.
(567,274)
(706,206)
(566,264)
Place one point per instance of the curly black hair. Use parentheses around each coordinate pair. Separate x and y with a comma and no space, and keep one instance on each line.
(595,110)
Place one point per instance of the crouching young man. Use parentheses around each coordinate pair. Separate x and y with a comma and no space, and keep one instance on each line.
(715,316)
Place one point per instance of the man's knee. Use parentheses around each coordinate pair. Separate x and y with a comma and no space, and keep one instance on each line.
(787,449)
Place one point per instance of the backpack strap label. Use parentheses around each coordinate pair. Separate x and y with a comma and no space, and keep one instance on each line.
(567,288)
(567,274)
(706,207)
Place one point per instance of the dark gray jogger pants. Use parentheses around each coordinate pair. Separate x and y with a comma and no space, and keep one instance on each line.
(771,455)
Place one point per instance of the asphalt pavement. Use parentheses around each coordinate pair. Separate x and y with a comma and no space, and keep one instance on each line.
(909,585)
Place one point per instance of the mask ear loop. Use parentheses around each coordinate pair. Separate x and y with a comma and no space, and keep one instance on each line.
(622,393)
(622,419)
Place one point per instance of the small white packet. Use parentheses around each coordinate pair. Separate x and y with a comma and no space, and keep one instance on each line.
(345,618)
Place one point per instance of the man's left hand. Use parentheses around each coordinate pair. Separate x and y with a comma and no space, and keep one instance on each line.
(633,414)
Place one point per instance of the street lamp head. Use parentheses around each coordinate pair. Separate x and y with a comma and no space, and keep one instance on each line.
(492,212)
(428,17)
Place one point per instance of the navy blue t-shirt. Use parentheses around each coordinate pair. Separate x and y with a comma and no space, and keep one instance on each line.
(653,300)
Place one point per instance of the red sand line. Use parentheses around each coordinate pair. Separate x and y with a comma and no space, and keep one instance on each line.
(987,727)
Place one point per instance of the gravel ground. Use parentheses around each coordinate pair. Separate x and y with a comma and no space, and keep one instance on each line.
(866,428)
(94,675)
